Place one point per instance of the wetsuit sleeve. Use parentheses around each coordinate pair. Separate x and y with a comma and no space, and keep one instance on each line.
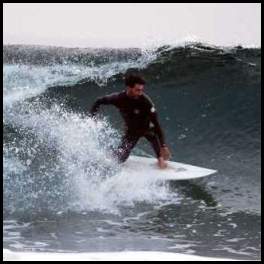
(157,128)
(154,119)
(106,100)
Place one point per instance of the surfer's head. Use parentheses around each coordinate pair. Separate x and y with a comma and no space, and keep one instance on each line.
(135,85)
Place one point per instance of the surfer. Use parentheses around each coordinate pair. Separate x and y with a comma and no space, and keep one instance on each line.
(140,116)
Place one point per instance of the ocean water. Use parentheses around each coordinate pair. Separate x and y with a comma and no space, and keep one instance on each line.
(64,193)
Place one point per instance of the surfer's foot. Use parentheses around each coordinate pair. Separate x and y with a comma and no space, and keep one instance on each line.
(162,164)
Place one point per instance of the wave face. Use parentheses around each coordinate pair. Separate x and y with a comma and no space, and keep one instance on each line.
(57,161)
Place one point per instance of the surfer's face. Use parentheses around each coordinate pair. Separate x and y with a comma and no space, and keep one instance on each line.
(136,91)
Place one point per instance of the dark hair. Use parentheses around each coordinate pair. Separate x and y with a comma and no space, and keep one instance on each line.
(132,79)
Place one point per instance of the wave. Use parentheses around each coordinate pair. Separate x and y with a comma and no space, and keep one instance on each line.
(26,75)
(45,55)
(208,99)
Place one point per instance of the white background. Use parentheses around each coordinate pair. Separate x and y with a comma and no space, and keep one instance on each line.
(131,24)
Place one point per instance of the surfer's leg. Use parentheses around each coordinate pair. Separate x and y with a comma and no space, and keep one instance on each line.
(154,141)
(127,144)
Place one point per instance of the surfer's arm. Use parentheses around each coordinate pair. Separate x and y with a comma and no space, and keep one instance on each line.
(106,100)
(154,120)
(157,127)
(164,150)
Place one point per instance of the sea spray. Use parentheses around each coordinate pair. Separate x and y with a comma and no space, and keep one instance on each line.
(68,165)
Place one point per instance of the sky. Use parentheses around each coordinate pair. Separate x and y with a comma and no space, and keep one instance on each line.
(121,25)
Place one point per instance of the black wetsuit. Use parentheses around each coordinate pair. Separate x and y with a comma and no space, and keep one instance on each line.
(140,121)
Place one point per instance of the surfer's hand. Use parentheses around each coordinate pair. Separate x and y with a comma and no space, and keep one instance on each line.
(165,153)
(162,164)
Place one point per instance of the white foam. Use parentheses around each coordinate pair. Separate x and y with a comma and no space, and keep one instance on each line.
(105,256)
(82,155)
(24,81)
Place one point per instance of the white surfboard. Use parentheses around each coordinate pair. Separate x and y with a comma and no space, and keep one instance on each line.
(174,171)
